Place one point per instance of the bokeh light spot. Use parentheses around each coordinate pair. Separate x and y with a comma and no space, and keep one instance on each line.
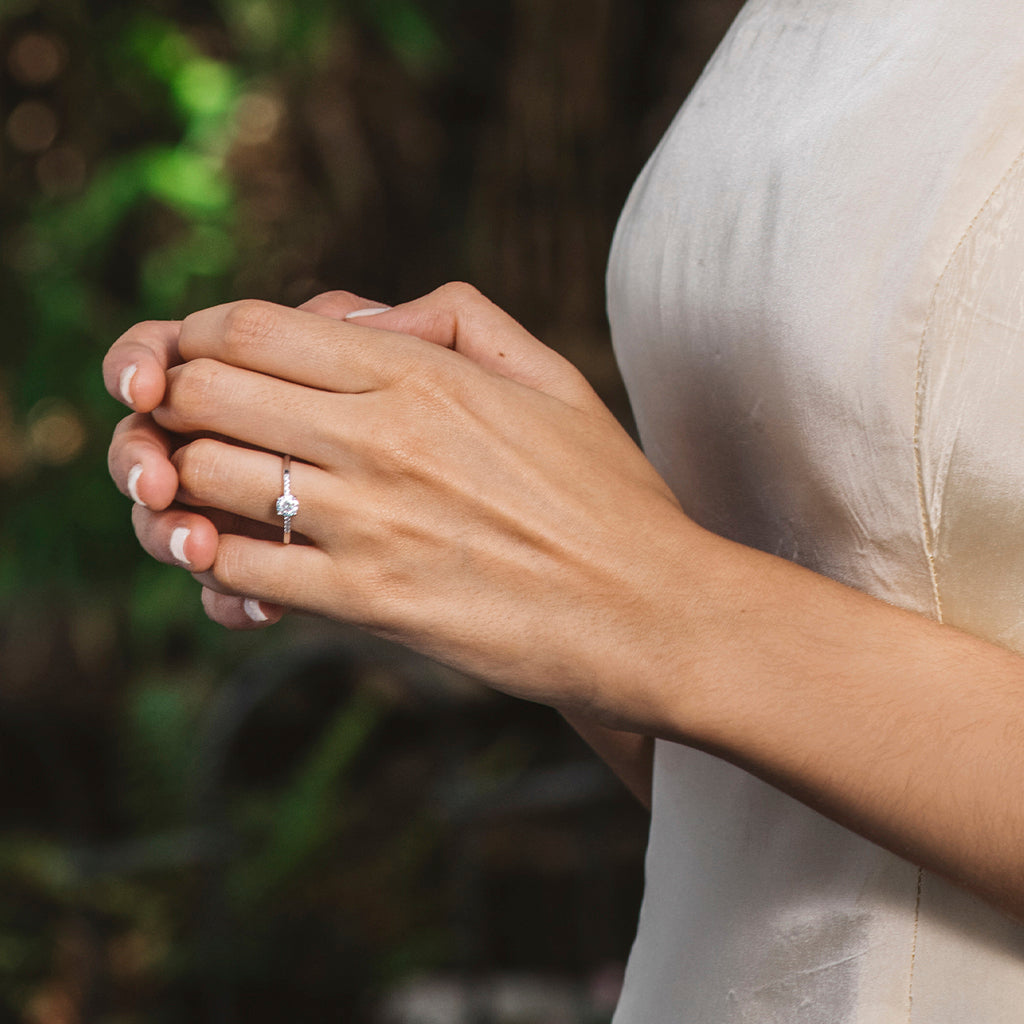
(257,118)
(56,433)
(36,59)
(32,126)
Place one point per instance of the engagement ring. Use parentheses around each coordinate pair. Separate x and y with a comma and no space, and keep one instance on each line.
(287,505)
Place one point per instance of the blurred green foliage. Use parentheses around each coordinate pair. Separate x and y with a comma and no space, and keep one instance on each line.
(125,130)
(203,826)
(129,212)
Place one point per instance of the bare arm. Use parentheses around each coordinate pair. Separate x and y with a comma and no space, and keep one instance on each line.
(906,731)
(481,505)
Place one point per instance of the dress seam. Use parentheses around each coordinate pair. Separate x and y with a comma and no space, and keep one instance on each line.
(913,946)
(930,531)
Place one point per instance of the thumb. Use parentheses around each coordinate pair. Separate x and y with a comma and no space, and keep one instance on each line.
(458,317)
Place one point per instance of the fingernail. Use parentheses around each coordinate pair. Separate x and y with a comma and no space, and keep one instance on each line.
(367,312)
(178,538)
(126,382)
(253,610)
(133,484)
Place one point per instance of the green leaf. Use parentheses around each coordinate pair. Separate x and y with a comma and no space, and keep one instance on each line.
(189,181)
(204,87)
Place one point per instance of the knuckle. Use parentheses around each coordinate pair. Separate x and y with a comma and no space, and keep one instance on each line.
(573,381)
(243,327)
(190,391)
(403,365)
(247,325)
(443,386)
(371,595)
(398,455)
(336,299)
(233,567)
(425,370)
(459,293)
(397,446)
(197,464)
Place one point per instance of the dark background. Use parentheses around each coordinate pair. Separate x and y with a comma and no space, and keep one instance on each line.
(305,824)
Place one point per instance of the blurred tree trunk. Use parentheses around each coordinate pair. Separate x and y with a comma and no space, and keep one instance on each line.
(589,87)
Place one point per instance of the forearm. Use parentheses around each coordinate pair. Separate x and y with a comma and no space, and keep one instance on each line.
(628,754)
(543,554)
(904,730)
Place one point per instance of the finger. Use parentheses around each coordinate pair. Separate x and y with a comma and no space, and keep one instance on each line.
(133,369)
(208,397)
(285,575)
(247,483)
(187,538)
(176,537)
(458,317)
(338,305)
(297,345)
(139,462)
(240,612)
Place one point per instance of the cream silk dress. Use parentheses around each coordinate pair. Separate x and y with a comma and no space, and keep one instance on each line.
(817,299)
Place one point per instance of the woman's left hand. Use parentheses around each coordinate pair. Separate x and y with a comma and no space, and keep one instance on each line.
(465,492)
(467,495)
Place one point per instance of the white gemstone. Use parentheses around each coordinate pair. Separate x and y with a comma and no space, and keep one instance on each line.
(287,505)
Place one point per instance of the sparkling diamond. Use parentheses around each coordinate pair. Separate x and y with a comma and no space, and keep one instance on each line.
(287,505)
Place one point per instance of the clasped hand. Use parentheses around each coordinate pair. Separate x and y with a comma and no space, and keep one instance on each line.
(462,489)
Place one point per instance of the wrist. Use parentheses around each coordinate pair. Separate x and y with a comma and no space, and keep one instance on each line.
(652,658)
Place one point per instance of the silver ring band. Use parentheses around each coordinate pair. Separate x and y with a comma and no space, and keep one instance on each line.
(287,505)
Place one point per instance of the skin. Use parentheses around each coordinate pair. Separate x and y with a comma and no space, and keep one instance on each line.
(149,350)
(463,491)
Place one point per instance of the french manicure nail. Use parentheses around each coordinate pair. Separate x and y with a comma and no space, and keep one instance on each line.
(367,312)
(178,538)
(133,484)
(127,374)
(253,610)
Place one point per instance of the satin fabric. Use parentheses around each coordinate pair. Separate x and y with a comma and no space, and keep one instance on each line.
(816,300)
